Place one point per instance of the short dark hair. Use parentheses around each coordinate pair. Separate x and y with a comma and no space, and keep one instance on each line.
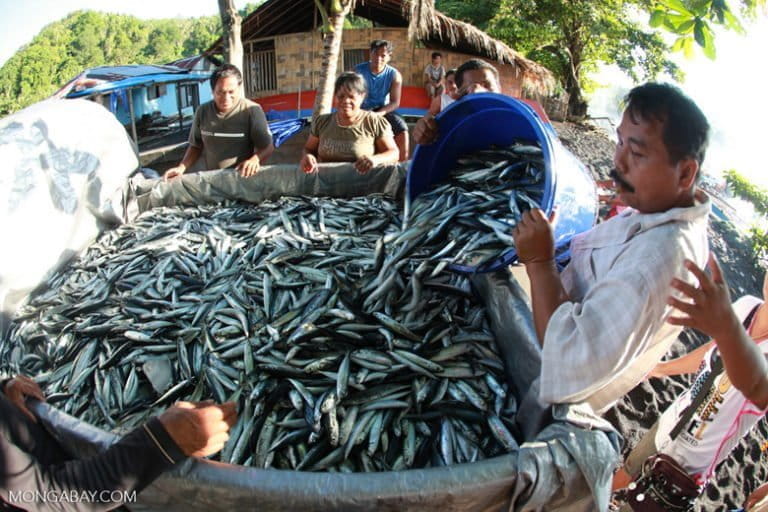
(381,43)
(437,54)
(352,82)
(450,72)
(225,71)
(471,65)
(686,130)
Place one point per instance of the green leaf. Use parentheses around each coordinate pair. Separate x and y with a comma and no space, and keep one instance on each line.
(657,18)
(688,47)
(700,7)
(678,44)
(686,27)
(698,32)
(733,23)
(709,41)
(676,5)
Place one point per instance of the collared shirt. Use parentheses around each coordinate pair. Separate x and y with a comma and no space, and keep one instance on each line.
(613,330)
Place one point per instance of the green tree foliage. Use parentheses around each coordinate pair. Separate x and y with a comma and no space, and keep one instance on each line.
(87,39)
(742,188)
(571,37)
(692,21)
(759,239)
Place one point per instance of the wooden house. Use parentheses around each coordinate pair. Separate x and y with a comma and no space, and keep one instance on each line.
(283,51)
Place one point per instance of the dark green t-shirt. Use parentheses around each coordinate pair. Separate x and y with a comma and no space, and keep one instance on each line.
(348,143)
(228,139)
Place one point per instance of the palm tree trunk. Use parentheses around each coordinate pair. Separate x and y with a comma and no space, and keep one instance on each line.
(331,50)
(231,22)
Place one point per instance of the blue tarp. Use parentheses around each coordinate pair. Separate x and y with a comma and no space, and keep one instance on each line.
(283,130)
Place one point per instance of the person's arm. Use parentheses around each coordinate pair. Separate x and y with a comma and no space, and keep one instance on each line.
(190,157)
(193,152)
(434,106)
(688,363)
(386,153)
(309,154)
(395,91)
(111,477)
(262,143)
(711,313)
(755,497)
(426,130)
(535,246)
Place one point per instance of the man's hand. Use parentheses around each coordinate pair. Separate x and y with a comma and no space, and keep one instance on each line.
(248,168)
(309,163)
(199,428)
(425,131)
(18,389)
(173,172)
(710,310)
(533,236)
(364,164)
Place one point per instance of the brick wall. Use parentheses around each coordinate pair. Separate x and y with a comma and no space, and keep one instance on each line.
(298,58)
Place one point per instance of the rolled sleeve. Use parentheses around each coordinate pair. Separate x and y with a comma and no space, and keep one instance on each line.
(587,343)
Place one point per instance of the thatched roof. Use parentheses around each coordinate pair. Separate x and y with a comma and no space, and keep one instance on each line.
(434,28)
(424,23)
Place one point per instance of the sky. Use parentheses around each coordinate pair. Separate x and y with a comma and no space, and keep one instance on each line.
(23,19)
(728,90)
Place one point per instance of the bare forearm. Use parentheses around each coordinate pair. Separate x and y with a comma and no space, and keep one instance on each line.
(190,157)
(547,294)
(265,153)
(387,157)
(688,363)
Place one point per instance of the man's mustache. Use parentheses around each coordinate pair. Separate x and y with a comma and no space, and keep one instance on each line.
(621,181)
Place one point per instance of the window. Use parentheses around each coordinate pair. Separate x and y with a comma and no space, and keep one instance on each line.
(260,71)
(188,95)
(354,57)
(155,91)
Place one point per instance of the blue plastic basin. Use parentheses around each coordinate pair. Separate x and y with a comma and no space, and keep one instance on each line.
(481,120)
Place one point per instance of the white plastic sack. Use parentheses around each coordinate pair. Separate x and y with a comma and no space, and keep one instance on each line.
(64,166)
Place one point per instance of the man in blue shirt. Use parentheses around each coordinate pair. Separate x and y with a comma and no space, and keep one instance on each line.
(385,86)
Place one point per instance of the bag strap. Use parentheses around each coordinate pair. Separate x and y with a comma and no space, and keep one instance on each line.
(716,368)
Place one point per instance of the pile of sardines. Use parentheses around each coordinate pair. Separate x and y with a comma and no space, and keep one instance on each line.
(335,324)
(475,210)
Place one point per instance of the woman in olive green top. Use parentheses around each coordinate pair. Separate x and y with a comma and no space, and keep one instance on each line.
(350,134)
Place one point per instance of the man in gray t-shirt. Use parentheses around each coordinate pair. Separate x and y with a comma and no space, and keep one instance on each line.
(230,131)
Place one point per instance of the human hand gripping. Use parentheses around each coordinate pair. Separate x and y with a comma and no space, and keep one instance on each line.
(18,389)
(534,238)
(173,172)
(248,168)
(425,131)
(309,163)
(364,164)
(710,310)
(199,428)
